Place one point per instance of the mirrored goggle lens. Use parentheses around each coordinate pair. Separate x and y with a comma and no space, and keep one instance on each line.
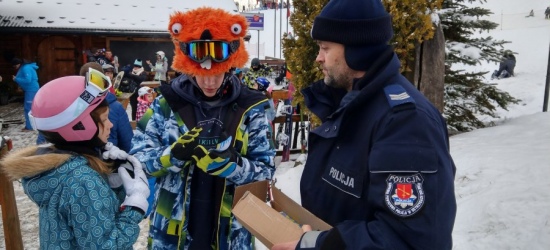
(201,50)
(98,80)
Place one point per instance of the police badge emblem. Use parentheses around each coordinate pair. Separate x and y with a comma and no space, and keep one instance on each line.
(404,195)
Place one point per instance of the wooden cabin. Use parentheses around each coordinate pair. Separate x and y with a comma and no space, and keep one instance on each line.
(57,34)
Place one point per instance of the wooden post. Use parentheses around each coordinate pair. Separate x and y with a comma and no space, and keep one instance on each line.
(10,217)
(432,69)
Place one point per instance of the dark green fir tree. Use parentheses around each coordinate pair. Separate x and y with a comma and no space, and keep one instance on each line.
(468,96)
(411,27)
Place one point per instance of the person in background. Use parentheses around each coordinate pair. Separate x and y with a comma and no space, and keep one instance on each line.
(204,136)
(239,75)
(137,75)
(379,168)
(282,75)
(27,78)
(144,101)
(112,60)
(121,132)
(547,13)
(160,68)
(256,70)
(98,56)
(109,71)
(82,203)
(506,66)
(263,85)
(145,98)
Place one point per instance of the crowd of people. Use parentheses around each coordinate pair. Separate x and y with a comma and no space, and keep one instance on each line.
(133,75)
(378,168)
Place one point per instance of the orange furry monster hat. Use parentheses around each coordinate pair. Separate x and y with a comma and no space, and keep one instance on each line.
(207,41)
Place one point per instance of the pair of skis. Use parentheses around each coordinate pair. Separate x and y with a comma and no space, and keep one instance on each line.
(284,131)
(283,138)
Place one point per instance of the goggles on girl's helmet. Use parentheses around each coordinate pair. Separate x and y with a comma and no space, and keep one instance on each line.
(64,102)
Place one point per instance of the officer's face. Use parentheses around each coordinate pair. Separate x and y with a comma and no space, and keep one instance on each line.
(334,66)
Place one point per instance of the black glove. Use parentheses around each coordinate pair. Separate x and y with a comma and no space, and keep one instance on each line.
(182,149)
(220,161)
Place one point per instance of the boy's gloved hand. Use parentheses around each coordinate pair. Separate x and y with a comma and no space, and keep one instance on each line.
(221,161)
(182,149)
(135,184)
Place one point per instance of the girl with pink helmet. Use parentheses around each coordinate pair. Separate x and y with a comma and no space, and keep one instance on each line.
(83,203)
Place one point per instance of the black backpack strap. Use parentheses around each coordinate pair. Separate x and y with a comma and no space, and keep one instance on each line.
(183,110)
(231,121)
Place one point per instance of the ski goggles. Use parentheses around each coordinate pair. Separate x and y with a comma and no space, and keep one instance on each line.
(96,85)
(201,50)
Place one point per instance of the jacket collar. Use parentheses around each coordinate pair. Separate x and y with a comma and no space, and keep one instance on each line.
(31,161)
(327,102)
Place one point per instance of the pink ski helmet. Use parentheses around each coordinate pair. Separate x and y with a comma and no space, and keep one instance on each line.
(63,105)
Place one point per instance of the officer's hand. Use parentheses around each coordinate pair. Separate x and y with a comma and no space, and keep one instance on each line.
(221,161)
(291,245)
(182,149)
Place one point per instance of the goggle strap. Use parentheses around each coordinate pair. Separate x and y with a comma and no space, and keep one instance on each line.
(62,119)
(234,46)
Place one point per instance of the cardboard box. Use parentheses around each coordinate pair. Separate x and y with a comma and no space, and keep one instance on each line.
(268,224)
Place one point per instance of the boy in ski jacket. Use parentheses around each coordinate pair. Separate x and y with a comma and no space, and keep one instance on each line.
(204,136)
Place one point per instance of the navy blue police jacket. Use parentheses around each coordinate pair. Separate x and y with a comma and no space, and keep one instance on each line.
(379,168)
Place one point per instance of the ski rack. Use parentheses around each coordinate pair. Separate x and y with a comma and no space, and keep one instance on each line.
(279,121)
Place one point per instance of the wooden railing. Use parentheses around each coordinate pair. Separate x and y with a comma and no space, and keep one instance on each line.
(10,217)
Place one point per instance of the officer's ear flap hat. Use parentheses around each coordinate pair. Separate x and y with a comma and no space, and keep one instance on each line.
(364,28)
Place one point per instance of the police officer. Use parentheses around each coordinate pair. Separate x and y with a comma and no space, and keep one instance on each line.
(256,70)
(379,169)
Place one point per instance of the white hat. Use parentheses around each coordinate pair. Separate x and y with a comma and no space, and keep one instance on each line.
(160,53)
(144,90)
(107,67)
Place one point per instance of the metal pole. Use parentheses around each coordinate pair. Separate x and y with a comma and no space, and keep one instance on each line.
(547,86)
(280,28)
(287,10)
(275,30)
(501,23)
(259,40)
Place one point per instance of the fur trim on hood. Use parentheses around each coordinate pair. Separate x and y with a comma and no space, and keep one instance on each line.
(26,163)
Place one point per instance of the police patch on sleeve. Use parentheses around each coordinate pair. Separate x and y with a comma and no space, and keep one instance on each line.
(404,195)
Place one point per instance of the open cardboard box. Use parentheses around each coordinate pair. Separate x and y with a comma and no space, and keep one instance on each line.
(268,224)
